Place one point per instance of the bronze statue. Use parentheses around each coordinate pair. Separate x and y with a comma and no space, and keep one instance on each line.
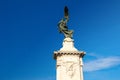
(62,25)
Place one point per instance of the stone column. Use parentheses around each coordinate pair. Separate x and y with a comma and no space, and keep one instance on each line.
(69,61)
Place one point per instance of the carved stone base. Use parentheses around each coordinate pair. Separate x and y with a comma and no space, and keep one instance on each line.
(69,61)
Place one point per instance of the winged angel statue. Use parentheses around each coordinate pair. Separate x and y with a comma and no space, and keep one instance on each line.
(62,25)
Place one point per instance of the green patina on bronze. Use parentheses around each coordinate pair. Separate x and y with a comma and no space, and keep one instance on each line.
(62,25)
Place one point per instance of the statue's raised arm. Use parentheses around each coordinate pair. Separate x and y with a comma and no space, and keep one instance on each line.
(62,25)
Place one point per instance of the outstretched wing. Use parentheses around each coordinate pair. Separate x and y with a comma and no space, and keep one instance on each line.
(66,14)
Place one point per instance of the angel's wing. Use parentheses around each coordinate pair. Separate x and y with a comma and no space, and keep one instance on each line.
(66,14)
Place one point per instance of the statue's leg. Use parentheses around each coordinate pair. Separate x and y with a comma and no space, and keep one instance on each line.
(70,33)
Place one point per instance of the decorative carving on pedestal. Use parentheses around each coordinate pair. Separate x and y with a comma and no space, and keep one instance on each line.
(69,65)
(70,68)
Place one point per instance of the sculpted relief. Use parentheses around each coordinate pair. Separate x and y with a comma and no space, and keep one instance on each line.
(69,67)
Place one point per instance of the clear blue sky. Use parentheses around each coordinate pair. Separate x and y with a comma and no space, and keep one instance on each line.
(29,35)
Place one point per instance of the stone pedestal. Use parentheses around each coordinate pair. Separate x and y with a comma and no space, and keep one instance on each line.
(69,61)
